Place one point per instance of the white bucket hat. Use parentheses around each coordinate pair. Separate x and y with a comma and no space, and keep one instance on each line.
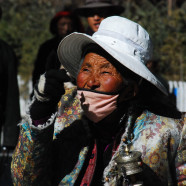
(123,39)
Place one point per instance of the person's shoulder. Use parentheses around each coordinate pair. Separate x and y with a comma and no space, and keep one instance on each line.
(165,123)
(50,41)
(7,52)
(4,44)
(152,124)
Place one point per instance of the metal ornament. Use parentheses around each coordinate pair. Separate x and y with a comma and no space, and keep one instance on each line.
(126,166)
(127,169)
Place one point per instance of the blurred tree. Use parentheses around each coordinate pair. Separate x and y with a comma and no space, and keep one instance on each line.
(25,26)
(173,50)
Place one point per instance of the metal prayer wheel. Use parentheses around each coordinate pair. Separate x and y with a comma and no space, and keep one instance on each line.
(129,167)
(129,161)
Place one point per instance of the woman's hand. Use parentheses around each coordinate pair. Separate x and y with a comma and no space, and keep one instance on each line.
(51,86)
(48,92)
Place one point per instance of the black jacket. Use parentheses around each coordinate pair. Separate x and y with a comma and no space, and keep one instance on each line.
(9,95)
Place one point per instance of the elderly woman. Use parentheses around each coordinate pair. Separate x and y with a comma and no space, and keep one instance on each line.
(118,112)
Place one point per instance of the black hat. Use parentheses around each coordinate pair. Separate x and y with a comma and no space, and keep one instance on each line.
(96,4)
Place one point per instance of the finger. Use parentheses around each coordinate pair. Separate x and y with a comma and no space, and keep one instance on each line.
(54,93)
(54,84)
(59,75)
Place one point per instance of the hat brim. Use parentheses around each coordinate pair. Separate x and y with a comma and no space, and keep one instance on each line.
(115,9)
(71,48)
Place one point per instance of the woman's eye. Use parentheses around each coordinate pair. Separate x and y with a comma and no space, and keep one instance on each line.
(106,72)
(85,69)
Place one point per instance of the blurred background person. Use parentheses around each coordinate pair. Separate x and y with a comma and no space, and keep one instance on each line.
(97,10)
(62,24)
(9,108)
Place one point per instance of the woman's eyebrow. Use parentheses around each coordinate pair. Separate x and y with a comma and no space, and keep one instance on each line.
(86,64)
(106,65)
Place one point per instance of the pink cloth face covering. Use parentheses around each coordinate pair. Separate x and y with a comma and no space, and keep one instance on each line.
(97,106)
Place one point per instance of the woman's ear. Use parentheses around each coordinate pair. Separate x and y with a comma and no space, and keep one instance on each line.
(128,91)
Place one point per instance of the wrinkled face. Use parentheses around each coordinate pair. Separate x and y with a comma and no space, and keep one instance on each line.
(98,74)
(64,26)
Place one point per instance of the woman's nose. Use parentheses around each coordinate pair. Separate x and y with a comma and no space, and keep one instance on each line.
(93,83)
(67,27)
(96,17)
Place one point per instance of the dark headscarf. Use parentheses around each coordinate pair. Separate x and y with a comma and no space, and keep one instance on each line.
(77,25)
